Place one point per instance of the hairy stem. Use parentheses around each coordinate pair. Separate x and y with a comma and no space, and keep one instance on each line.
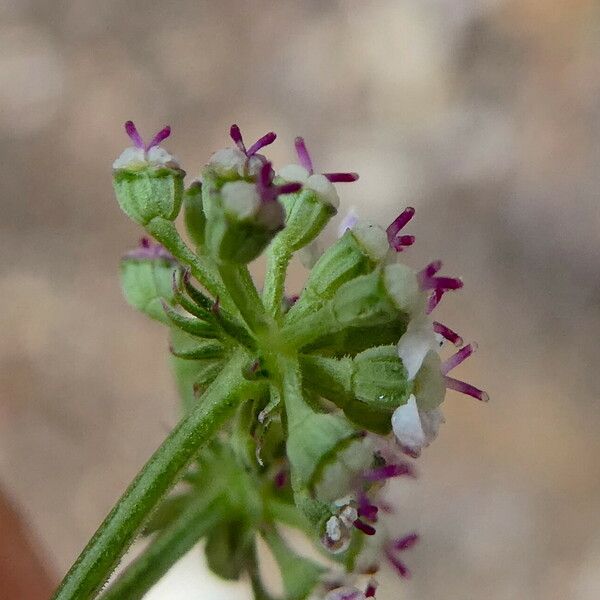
(119,529)
(278,258)
(199,517)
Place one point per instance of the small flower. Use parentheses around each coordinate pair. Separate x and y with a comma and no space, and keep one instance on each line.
(395,547)
(436,286)
(320,183)
(416,423)
(240,161)
(140,155)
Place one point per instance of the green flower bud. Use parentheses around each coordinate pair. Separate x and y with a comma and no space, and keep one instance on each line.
(147,279)
(240,224)
(147,180)
(356,253)
(195,219)
(380,379)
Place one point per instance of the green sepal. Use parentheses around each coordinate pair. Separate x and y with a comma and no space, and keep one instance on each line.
(364,301)
(380,379)
(192,326)
(227,548)
(300,575)
(305,217)
(203,350)
(193,212)
(313,439)
(192,377)
(333,379)
(342,261)
(429,386)
(147,284)
(149,192)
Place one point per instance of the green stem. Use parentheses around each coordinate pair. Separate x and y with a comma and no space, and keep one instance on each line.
(119,529)
(278,258)
(243,292)
(199,517)
(202,268)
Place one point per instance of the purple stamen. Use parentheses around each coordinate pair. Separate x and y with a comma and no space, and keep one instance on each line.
(133,134)
(447,333)
(406,542)
(162,135)
(265,140)
(466,388)
(433,300)
(281,478)
(303,155)
(401,242)
(364,527)
(366,509)
(429,271)
(397,564)
(399,222)
(236,136)
(371,589)
(269,192)
(458,358)
(389,471)
(341,177)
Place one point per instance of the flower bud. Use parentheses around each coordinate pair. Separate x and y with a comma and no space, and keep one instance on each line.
(195,219)
(356,253)
(147,279)
(147,180)
(380,379)
(241,222)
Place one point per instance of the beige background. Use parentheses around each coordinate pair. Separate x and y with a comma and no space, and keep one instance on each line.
(483,114)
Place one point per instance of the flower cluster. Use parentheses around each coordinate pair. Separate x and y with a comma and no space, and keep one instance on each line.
(316,400)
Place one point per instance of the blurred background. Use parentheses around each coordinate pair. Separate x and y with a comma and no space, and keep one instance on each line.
(482,114)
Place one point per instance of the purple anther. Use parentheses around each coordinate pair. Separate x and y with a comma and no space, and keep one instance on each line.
(466,388)
(389,471)
(265,140)
(371,589)
(269,192)
(341,177)
(406,542)
(281,478)
(458,358)
(305,161)
(303,155)
(399,223)
(400,567)
(447,333)
(365,509)
(137,140)
(364,527)
(162,135)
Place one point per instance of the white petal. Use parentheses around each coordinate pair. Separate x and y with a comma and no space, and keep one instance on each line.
(402,285)
(431,421)
(372,238)
(348,222)
(229,161)
(130,157)
(159,156)
(414,345)
(294,173)
(241,198)
(324,189)
(406,424)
